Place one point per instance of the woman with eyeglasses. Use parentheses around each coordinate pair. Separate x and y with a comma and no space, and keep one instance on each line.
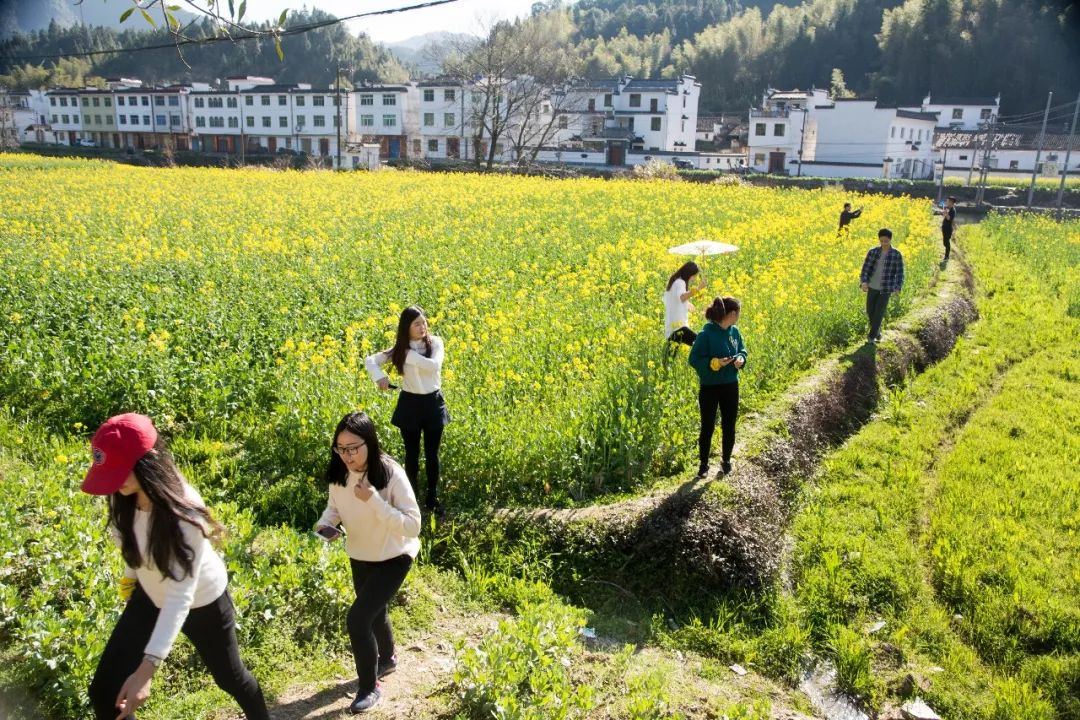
(371,499)
(417,355)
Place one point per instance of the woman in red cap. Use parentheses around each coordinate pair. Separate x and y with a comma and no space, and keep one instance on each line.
(173,580)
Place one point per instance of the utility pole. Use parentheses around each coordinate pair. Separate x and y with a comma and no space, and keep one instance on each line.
(243,135)
(802,139)
(1038,151)
(984,170)
(337,110)
(1068,152)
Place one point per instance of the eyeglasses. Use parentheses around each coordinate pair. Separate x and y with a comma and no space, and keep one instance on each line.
(348,451)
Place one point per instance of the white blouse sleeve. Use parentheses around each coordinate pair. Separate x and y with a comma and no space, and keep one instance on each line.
(374,363)
(432,363)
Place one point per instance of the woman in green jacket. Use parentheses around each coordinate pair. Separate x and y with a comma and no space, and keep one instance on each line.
(718,354)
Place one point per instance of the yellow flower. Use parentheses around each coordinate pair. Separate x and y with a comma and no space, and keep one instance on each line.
(714,363)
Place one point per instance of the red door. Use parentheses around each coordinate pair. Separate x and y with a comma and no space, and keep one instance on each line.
(271,144)
(776,162)
(616,154)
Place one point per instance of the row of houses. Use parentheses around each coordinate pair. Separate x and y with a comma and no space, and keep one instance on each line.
(810,133)
(620,121)
(614,122)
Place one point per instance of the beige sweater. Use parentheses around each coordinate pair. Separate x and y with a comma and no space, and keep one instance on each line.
(383,527)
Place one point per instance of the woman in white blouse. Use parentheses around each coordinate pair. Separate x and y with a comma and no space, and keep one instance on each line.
(370,497)
(173,580)
(677,305)
(421,411)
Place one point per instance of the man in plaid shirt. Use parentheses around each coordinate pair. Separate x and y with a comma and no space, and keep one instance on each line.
(882,275)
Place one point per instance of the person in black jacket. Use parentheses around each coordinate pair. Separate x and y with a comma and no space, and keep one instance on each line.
(847,216)
(948,217)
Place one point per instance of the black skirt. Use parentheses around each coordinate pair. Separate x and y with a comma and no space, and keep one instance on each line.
(420,412)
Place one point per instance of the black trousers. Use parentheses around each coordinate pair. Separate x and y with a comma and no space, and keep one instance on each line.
(211,629)
(370,633)
(877,302)
(946,239)
(683,335)
(432,436)
(724,398)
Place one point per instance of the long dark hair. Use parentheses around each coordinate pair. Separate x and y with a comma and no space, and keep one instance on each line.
(401,343)
(721,307)
(164,487)
(359,424)
(687,271)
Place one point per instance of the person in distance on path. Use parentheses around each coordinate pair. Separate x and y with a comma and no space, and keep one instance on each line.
(371,498)
(948,218)
(173,580)
(882,275)
(421,409)
(718,355)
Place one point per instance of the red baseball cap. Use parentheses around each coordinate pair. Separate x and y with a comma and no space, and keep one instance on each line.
(117,446)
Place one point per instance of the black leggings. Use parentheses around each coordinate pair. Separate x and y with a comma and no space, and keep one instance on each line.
(211,629)
(683,335)
(432,439)
(725,398)
(946,239)
(375,583)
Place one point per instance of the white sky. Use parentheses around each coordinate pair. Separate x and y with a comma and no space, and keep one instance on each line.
(465,16)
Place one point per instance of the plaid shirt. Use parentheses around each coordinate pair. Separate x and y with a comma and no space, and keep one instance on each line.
(892,275)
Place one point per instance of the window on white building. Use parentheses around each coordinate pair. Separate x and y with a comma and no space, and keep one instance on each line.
(283,122)
(300,121)
(779,129)
(54,118)
(160,120)
(231,102)
(199,102)
(449,120)
(654,124)
(249,100)
(429,95)
(300,100)
(759,158)
(984,114)
(264,99)
(319,121)
(217,121)
(635,100)
(108,102)
(97,102)
(563,122)
(123,119)
(416,147)
(145,119)
(215,102)
(97,119)
(174,101)
(449,95)
(759,129)
(607,100)
(234,122)
(433,145)
(958,114)
(367,99)
(1014,164)
(367,121)
(249,121)
(135,120)
(318,101)
(266,121)
(389,120)
(902,131)
(429,119)
(389,100)
(282,99)
(52,101)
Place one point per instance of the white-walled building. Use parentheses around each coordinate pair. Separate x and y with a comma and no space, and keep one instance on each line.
(955,113)
(26,116)
(384,114)
(443,108)
(1010,153)
(839,137)
(65,117)
(618,117)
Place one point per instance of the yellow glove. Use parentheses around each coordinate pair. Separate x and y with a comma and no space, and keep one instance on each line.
(127,586)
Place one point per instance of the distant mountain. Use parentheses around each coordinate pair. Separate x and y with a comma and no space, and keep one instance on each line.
(31,15)
(420,51)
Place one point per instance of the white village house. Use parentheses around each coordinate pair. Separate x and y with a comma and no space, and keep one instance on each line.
(956,113)
(810,134)
(1011,154)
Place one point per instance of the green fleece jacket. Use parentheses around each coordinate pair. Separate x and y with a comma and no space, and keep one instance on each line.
(715,342)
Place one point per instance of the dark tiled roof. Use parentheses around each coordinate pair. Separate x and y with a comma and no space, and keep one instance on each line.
(912,115)
(963,101)
(1003,141)
(667,85)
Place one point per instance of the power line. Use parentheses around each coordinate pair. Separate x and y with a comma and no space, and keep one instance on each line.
(296,30)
